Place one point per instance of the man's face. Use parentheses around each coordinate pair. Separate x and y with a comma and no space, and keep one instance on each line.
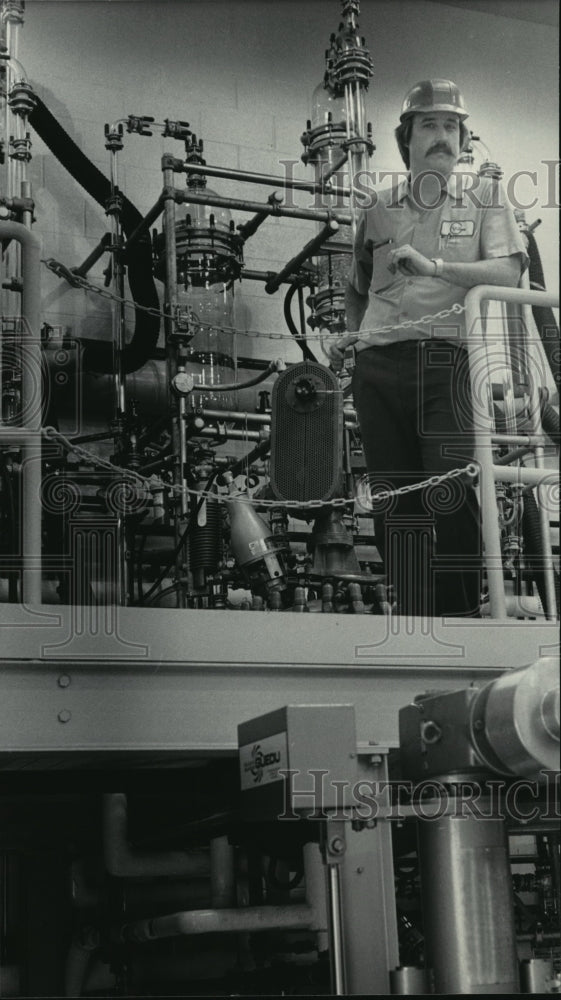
(435,142)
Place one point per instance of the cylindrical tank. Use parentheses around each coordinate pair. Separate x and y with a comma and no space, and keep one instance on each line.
(535,975)
(467,905)
(203,237)
(408,980)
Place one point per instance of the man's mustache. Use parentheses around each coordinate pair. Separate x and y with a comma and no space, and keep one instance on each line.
(440,147)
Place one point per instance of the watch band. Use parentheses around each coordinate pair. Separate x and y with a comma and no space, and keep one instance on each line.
(438,266)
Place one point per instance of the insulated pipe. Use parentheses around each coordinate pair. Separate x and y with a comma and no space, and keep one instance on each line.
(245,919)
(311,914)
(206,198)
(122,861)
(484,429)
(31,408)
(84,943)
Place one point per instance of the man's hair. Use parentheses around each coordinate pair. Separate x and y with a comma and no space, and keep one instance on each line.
(403,137)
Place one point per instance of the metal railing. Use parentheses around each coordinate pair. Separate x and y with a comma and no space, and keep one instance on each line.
(482,345)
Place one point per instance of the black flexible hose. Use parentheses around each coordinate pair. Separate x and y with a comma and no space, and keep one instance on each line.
(533,547)
(550,422)
(543,315)
(308,354)
(98,356)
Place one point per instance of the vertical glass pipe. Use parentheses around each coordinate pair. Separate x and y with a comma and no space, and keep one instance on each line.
(329,130)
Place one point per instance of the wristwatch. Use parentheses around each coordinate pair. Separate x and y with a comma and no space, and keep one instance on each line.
(438,265)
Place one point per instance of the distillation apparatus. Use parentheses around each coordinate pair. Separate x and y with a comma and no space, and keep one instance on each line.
(144,490)
(171,470)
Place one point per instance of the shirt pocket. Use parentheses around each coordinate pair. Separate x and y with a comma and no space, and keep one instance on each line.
(381,276)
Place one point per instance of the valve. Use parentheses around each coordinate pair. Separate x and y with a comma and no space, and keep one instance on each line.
(22,99)
(176,130)
(113,136)
(139,124)
(20,148)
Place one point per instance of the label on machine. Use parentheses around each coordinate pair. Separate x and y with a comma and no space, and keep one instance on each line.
(261,761)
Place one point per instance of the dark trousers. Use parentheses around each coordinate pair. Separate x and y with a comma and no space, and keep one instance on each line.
(413,405)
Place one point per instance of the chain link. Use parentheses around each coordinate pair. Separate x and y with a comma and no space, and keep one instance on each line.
(78,282)
(154,482)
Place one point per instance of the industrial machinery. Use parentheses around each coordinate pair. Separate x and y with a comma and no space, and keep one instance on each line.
(156,746)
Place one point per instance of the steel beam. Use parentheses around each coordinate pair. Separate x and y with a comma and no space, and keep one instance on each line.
(126,679)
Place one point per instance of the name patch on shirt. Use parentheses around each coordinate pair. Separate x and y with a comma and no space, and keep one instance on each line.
(457,227)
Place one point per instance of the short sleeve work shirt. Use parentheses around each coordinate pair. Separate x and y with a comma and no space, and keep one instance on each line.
(471,222)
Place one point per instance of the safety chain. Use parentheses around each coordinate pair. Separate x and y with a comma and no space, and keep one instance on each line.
(78,282)
(154,482)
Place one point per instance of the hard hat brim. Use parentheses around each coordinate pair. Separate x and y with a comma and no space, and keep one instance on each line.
(462,115)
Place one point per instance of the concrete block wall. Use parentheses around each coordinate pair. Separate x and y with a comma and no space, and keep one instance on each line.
(242,73)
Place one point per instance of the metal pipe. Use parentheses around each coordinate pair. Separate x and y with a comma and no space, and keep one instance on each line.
(206,198)
(146,222)
(336,947)
(248,176)
(93,258)
(542,497)
(251,227)
(251,275)
(231,433)
(243,463)
(333,169)
(468,912)
(524,474)
(31,408)
(484,429)
(330,228)
(528,439)
(237,415)
(222,873)
(122,861)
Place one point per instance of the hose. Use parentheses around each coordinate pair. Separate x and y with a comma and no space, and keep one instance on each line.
(543,315)
(272,367)
(550,422)
(287,307)
(98,356)
(533,547)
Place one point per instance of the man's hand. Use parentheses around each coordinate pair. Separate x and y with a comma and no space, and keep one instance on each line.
(410,261)
(336,349)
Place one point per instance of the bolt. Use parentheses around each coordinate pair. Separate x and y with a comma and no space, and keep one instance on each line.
(352,755)
(64,715)
(63,681)
(337,845)
(360,870)
(479,724)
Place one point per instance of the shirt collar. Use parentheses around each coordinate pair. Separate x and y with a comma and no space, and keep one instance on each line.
(454,189)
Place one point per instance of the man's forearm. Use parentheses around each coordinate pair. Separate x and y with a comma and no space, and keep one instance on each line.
(355,307)
(495,271)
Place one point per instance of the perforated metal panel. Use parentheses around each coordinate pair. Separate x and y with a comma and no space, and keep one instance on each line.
(306,433)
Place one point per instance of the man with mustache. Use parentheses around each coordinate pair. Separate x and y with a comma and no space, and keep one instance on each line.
(419,248)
